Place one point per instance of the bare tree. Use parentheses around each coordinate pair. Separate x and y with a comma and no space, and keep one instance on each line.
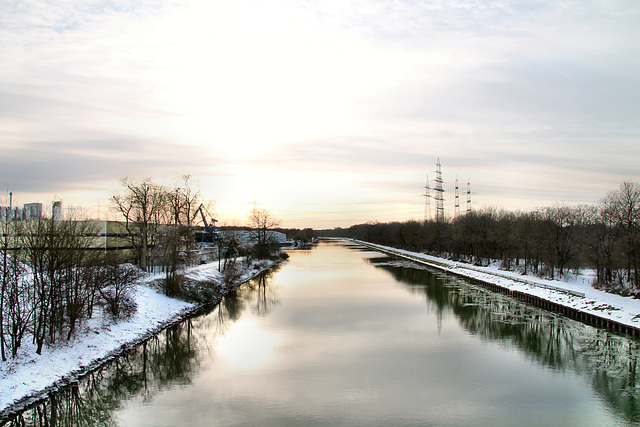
(115,288)
(79,272)
(174,244)
(18,308)
(5,279)
(15,306)
(599,241)
(185,198)
(562,225)
(143,206)
(625,206)
(262,224)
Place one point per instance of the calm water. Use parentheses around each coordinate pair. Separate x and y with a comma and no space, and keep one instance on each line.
(344,336)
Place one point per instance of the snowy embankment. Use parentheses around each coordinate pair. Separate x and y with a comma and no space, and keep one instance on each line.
(575,292)
(29,377)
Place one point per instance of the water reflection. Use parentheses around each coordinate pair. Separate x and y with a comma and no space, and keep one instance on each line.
(609,361)
(169,359)
(162,361)
(334,341)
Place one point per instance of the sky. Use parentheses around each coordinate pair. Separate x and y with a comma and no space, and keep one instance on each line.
(326,113)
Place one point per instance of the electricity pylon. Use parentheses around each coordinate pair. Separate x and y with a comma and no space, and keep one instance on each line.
(439,193)
(427,201)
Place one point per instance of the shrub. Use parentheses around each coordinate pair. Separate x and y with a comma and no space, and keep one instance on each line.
(117,285)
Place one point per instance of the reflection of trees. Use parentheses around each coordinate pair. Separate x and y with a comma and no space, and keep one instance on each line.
(259,293)
(232,305)
(610,361)
(168,358)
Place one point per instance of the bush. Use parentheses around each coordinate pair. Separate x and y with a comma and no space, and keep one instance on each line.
(117,288)
(231,274)
(118,307)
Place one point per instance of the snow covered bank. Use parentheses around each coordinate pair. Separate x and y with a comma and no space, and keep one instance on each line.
(30,377)
(575,293)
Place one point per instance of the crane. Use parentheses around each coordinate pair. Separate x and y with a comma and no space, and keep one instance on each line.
(210,234)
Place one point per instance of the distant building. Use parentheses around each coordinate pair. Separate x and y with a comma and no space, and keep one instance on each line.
(56,210)
(32,211)
(247,237)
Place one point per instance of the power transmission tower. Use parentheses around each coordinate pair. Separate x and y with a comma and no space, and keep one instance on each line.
(468,196)
(456,210)
(427,201)
(439,193)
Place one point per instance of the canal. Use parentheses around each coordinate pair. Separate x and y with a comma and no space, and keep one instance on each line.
(342,335)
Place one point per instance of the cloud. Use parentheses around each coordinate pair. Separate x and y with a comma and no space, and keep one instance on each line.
(63,166)
(345,100)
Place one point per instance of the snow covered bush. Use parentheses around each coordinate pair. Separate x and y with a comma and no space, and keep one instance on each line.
(231,274)
(116,290)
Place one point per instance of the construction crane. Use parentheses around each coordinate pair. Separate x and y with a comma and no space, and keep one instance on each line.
(210,234)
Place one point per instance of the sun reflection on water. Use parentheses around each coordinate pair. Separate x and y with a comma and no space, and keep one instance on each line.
(247,346)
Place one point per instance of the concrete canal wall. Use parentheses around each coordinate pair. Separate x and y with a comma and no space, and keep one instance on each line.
(554,306)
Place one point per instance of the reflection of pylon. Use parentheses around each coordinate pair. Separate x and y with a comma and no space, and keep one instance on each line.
(439,193)
(427,201)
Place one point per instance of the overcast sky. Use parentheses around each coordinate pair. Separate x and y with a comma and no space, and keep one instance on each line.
(327,113)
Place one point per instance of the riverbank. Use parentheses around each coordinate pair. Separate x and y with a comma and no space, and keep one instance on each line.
(31,377)
(574,292)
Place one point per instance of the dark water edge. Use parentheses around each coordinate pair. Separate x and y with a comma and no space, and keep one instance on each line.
(68,386)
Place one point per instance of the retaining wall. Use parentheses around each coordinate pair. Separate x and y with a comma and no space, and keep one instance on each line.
(571,312)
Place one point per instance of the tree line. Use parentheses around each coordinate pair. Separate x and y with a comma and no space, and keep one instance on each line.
(160,222)
(55,273)
(52,280)
(547,242)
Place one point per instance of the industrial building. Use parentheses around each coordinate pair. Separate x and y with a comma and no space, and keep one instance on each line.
(30,212)
(247,237)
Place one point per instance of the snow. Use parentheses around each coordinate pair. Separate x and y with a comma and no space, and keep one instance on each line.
(573,291)
(30,374)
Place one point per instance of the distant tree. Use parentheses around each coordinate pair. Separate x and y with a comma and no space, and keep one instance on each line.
(625,209)
(410,235)
(143,206)
(561,225)
(600,242)
(304,236)
(184,199)
(526,239)
(503,237)
(261,225)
